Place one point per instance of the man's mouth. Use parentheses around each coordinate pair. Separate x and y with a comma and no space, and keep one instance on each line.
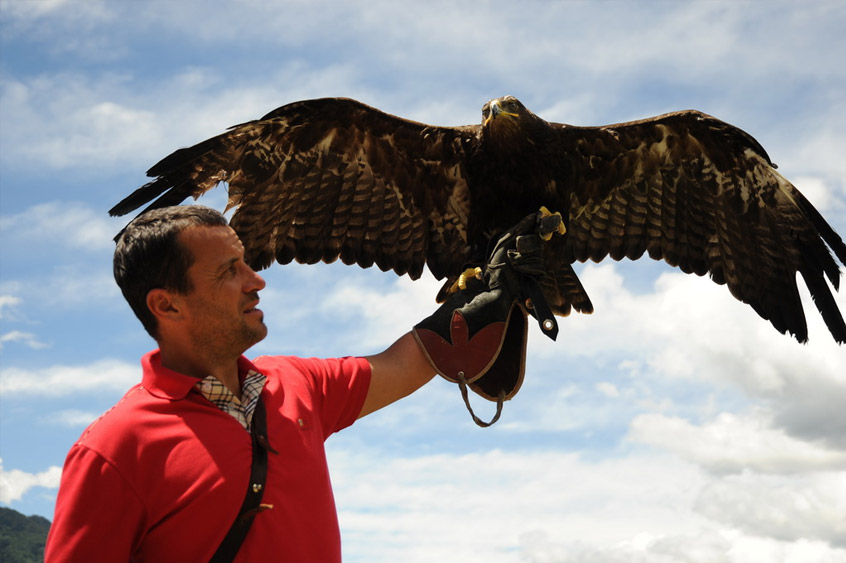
(252,308)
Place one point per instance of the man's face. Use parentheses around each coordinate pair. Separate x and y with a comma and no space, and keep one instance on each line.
(221,306)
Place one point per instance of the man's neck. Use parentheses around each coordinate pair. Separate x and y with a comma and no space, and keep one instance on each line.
(225,371)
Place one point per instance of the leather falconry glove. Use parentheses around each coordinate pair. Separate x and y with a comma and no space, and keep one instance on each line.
(477,338)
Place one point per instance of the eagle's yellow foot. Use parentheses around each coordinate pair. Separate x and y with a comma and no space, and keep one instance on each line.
(550,223)
(461,282)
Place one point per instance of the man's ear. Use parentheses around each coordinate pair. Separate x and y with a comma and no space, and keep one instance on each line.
(165,305)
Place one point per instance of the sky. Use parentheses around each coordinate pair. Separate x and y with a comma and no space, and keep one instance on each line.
(672,424)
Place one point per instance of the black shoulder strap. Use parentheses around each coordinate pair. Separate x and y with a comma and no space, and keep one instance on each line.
(255,489)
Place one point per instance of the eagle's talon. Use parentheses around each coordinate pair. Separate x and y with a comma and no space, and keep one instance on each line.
(468,274)
(550,223)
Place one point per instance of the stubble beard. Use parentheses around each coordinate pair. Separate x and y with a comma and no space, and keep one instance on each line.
(226,340)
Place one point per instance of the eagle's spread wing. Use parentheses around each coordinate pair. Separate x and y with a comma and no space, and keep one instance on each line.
(321,179)
(704,196)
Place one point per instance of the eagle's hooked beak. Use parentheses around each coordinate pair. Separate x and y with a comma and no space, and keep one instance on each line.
(496,109)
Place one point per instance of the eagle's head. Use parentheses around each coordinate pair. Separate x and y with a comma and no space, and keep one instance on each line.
(505,109)
(508,127)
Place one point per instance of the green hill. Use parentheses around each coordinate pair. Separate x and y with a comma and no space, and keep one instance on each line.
(22,538)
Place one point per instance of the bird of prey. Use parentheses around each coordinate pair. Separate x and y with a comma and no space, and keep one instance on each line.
(330,178)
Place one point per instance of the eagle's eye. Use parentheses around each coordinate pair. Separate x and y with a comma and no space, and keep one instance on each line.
(510,103)
(486,110)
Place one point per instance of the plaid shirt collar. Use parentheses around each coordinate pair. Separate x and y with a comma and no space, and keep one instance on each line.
(240,409)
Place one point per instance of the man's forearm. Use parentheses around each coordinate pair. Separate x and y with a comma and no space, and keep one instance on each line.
(396,373)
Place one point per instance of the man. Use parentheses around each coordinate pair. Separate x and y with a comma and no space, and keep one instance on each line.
(162,475)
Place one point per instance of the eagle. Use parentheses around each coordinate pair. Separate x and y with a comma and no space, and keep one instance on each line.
(322,179)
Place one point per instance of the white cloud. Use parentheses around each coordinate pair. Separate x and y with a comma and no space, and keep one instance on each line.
(819,192)
(8,302)
(705,546)
(64,288)
(71,418)
(15,483)
(479,506)
(558,507)
(98,131)
(70,119)
(59,223)
(686,328)
(79,286)
(26,338)
(103,375)
(385,314)
(608,389)
(491,35)
(733,443)
(67,119)
(811,506)
(66,27)
(44,233)
(30,9)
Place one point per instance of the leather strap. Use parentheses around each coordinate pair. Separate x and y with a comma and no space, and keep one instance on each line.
(462,385)
(539,307)
(255,489)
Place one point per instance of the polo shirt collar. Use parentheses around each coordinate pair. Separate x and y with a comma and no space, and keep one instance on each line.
(168,384)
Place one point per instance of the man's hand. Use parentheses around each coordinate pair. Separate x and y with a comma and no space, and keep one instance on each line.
(516,265)
(481,331)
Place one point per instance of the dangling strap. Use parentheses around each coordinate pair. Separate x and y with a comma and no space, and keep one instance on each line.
(539,307)
(255,489)
(462,384)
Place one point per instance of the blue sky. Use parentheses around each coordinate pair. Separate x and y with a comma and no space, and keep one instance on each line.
(671,425)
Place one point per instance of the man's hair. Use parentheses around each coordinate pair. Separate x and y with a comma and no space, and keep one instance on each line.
(149,255)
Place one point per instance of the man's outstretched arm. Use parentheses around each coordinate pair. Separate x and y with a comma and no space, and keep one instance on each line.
(396,373)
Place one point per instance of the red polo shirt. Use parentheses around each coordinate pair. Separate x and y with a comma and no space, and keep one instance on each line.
(161,475)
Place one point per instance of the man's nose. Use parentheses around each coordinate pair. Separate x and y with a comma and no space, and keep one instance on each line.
(254,282)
